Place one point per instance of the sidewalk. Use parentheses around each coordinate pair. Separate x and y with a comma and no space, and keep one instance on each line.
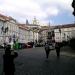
(67,49)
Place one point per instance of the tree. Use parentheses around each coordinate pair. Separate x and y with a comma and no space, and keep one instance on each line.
(73,5)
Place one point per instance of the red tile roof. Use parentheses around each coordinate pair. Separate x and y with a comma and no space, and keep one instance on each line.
(23,26)
(5,18)
(64,26)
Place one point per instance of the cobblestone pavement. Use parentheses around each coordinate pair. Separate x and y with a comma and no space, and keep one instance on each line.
(33,62)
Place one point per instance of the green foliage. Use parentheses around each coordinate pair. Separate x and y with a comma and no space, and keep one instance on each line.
(73,5)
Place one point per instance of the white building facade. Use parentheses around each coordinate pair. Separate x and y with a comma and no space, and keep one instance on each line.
(1,34)
(64,32)
(34,31)
(25,34)
(13,30)
(10,25)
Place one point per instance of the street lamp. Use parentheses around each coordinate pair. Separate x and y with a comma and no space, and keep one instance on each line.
(60,34)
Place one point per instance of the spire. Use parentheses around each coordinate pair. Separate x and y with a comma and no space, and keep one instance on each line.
(49,25)
(27,22)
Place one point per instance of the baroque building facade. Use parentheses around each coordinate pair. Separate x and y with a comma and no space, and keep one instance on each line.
(15,31)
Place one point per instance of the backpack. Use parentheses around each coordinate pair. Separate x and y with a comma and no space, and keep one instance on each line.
(46,47)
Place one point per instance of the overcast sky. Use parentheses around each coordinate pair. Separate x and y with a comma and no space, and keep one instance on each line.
(53,11)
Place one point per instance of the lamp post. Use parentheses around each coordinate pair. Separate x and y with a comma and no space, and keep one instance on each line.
(33,29)
(60,34)
(4,31)
(14,38)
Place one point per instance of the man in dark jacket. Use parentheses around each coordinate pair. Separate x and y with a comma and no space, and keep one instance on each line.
(47,50)
(8,61)
(57,47)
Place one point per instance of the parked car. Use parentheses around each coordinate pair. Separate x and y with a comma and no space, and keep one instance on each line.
(29,46)
(39,45)
(30,43)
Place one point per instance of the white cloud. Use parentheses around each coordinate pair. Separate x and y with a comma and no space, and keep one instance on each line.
(23,8)
(65,4)
(41,9)
(52,11)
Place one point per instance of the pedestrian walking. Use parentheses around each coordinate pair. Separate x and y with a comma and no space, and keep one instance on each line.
(57,47)
(47,50)
(8,61)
